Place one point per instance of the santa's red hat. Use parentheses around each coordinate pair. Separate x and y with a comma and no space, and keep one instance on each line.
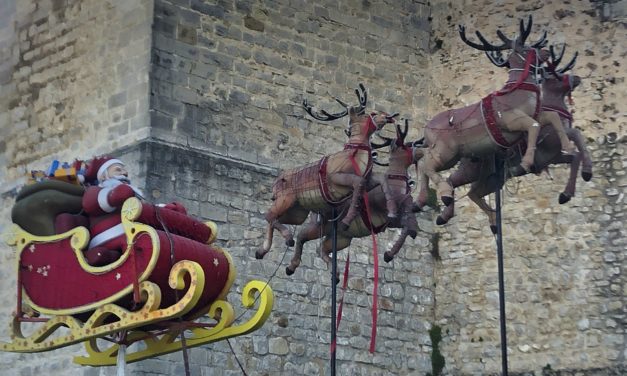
(98,166)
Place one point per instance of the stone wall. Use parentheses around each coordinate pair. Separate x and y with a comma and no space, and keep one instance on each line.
(564,265)
(221,114)
(230,76)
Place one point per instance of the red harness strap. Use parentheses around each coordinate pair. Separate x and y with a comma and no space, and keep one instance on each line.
(400,177)
(322,171)
(564,113)
(490,118)
(322,183)
(488,110)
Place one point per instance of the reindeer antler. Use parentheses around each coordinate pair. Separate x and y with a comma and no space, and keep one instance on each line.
(387,142)
(486,46)
(556,60)
(401,133)
(525,31)
(508,43)
(323,115)
(362,96)
(540,42)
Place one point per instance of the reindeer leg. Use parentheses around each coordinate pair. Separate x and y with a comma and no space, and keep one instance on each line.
(280,205)
(357,183)
(478,198)
(423,193)
(445,215)
(569,190)
(267,243)
(517,121)
(432,163)
(326,249)
(310,231)
(410,228)
(586,161)
(553,118)
(467,172)
(285,232)
(390,203)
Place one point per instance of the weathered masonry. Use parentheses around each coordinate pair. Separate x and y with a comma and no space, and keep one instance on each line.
(202,99)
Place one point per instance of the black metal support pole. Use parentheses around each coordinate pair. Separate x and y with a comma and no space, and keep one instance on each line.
(499,252)
(333,288)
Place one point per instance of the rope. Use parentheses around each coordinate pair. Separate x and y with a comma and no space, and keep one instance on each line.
(236,358)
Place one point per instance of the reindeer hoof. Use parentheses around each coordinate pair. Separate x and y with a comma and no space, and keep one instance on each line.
(387,257)
(440,221)
(586,175)
(412,233)
(526,167)
(290,242)
(564,198)
(447,200)
(518,171)
(493,229)
(415,208)
(288,271)
(259,255)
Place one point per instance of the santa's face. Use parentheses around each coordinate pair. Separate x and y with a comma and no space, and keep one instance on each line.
(118,171)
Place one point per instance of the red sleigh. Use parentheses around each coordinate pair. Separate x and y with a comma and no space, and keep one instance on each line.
(169,279)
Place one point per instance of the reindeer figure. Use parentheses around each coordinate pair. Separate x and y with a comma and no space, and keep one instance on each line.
(333,180)
(498,121)
(555,88)
(393,184)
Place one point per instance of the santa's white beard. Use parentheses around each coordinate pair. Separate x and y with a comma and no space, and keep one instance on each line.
(114,181)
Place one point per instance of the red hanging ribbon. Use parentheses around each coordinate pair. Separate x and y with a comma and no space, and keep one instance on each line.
(508,89)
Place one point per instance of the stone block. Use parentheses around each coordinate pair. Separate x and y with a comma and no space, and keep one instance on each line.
(216,11)
(117,100)
(161,121)
(185,95)
(186,34)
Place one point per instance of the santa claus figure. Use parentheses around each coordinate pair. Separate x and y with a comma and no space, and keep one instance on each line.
(102,203)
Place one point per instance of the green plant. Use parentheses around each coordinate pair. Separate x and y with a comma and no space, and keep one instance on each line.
(432,199)
(437,360)
(435,250)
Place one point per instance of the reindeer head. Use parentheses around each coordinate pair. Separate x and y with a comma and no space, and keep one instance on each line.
(557,81)
(400,151)
(519,51)
(367,123)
